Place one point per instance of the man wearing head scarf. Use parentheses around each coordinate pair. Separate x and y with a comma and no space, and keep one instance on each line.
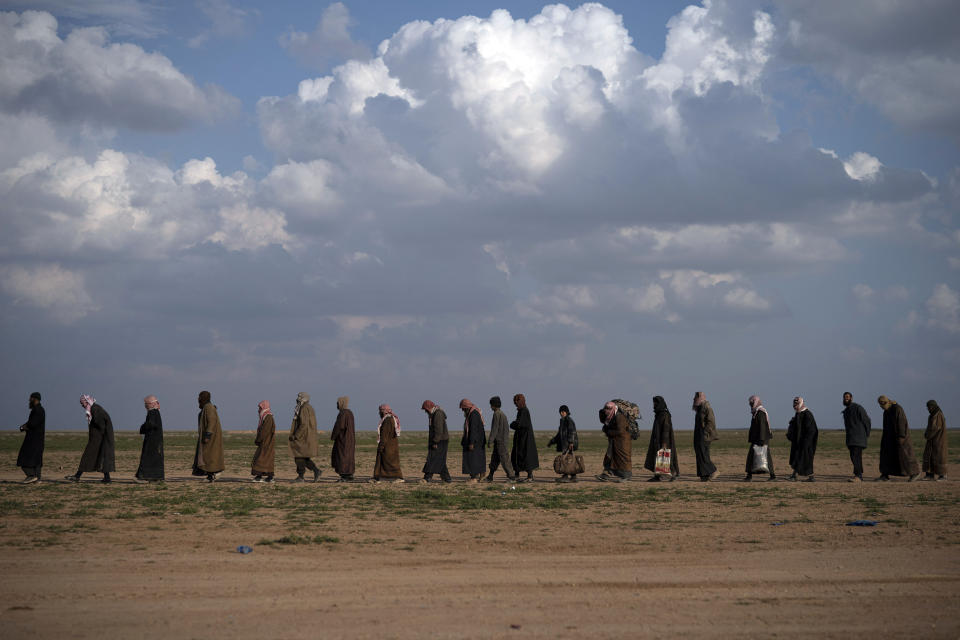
(759,435)
(802,434)
(262,468)
(151,454)
(303,438)
(473,441)
(30,457)
(935,451)
(437,443)
(386,467)
(661,437)
(208,459)
(618,461)
(896,450)
(566,439)
(342,454)
(499,430)
(99,452)
(523,456)
(856,424)
(704,432)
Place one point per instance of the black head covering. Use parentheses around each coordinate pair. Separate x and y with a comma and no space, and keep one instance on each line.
(932,406)
(564,409)
(659,404)
(35,394)
(204,397)
(495,402)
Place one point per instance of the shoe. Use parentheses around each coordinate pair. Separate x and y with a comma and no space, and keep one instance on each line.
(423,481)
(883,478)
(216,476)
(488,479)
(773,477)
(941,478)
(397,481)
(673,477)
(30,480)
(268,479)
(615,479)
(747,478)
(913,477)
(713,475)
(572,479)
(655,479)
(792,477)
(372,481)
(809,479)
(106,481)
(72,478)
(855,479)
(602,477)
(299,479)
(257,479)
(316,474)
(473,481)
(522,480)
(447,480)
(139,480)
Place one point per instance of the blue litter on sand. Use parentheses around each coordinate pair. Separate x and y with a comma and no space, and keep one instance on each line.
(862,523)
(244,549)
(776,524)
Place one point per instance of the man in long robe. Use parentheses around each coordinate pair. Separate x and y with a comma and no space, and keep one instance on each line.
(151,453)
(759,435)
(386,467)
(523,456)
(343,452)
(474,441)
(30,457)
(856,425)
(566,439)
(303,438)
(262,468)
(802,434)
(438,440)
(896,450)
(618,461)
(661,437)
(208,458)
(935,451)
(99,453)
(704,432)
(499,430)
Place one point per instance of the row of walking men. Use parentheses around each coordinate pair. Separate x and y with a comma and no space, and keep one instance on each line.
(896,451)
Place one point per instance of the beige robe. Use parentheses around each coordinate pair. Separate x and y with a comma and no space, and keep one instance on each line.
(303,433)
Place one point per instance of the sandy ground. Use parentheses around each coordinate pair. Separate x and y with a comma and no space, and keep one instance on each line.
(539,560)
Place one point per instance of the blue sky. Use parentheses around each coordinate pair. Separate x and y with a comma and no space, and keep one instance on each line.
(573,202)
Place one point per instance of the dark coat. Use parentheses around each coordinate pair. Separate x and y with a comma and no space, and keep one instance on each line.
(523,456)
(151,454)
(802,434)
(437,443)
(208,457)
(896,450)
(342,457)
(473,442)
(661,437)
(935,451)
(619,445)
(263,458)
(387,463)
(566,435)
(760,434)
(99,453)
(31,451)
(856,422)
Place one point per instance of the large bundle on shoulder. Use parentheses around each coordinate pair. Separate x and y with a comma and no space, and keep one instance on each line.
(632,413)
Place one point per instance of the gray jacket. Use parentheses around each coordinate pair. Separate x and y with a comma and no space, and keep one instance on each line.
(499,430)
(856,423)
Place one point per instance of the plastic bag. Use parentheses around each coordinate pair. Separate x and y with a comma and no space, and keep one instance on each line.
(663,462)
(760,459)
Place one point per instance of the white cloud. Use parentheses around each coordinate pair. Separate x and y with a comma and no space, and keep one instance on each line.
(84,78)
(226,21)
(862,166)
(329,41)
(61,292)
(943,308)
(124,18)
(246,227)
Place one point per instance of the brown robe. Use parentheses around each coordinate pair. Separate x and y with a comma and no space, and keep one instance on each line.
(935,452)
(344,440)
(263,458)
(210,447)
(619,449)
(303,433)
(387,465)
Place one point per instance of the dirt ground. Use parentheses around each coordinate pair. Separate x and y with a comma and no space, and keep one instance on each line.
(538,560)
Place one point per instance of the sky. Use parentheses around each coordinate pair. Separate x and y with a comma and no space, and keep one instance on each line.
(437,200)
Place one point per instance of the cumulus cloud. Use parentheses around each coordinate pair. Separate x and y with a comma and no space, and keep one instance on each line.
(50,287)
(329,41)
(943,307)
(84,78)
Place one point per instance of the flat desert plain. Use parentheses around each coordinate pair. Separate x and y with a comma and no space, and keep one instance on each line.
(502,560)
